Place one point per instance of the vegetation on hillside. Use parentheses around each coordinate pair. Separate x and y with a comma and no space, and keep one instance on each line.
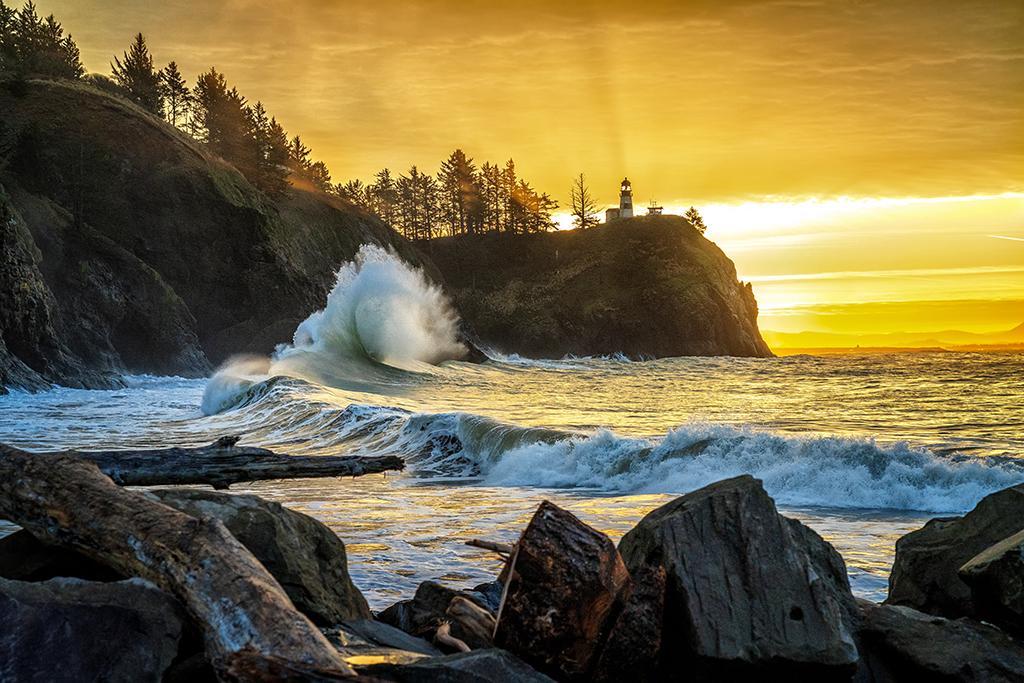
(461,200)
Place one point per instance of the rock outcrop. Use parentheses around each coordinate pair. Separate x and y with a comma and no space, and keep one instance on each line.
(302,553)
(747,589)
(925,571)
(901,644)
(72,630)
(650,286)
(126,247)
(996,578)
(566,586)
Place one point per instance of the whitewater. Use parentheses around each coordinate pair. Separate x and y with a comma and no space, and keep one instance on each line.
(863,448)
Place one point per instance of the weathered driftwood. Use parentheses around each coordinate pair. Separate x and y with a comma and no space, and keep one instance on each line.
(475,623)
(503,549)
(444,636)
(250,628)
(566,583)
(223,463)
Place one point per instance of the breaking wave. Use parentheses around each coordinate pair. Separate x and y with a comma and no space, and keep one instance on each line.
(812,471)
(381,316)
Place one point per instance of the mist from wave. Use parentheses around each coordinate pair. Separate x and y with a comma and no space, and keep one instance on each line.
(382,318)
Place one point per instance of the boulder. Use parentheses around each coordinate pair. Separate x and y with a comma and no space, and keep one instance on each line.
(71,630)
(432,605)
(479,666)
(356,649)
(925,572)
(25,558)
(631,651)
(303,554)
(903,644)
(566,585)
(748,590)
(383,635)
(996,578)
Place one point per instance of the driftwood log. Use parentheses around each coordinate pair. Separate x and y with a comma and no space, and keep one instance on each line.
(223,463)
(251,630)
(503,549)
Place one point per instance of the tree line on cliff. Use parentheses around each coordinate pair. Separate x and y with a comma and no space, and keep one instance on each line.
(462,198)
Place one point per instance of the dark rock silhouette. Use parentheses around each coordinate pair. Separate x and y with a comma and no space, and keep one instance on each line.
(925,571)
(650,286)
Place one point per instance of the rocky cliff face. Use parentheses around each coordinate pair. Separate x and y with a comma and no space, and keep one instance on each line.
(649,286)
(127,248)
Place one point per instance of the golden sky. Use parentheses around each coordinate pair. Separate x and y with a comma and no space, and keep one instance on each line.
(763,113)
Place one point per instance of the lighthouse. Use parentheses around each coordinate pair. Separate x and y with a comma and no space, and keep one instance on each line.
(625,199)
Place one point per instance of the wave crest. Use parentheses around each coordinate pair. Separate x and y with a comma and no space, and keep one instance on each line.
(381,315)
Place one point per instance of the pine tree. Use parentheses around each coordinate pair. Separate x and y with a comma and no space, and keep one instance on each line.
(584,210)
(459,194)
(353,192)
(137,76)
(384,196)
(319,176)
(30,46)
(695,219)
(176,95)
(298,155)
(8,44)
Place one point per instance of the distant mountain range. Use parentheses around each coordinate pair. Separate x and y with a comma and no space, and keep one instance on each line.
(943,339)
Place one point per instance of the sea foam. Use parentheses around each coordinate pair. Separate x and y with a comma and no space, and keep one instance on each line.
(382,314)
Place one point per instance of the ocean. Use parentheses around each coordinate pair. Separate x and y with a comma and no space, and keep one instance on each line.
(862,448)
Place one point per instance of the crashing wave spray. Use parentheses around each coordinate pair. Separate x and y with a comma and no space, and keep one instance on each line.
(380,311)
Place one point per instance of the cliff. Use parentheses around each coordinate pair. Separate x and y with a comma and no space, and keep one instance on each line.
(126,247)
(649,286)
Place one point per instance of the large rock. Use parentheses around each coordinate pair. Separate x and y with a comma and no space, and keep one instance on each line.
(747,589)
(73,630)
(25,558)
(903,644)
(996,578)
(566,583)
(924,573)
(631,651)
(479,666)
(303,554)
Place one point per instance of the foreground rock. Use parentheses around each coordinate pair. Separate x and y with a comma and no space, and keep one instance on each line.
(634,642)
(468,612)
(72,630)
(996,578)
(566,583)
(903,644)
(302,553)
(250,627)
(925,571)
(748,590)
(25,558)
(479,666)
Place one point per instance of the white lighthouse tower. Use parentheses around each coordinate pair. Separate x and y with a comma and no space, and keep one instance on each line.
(625,199)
